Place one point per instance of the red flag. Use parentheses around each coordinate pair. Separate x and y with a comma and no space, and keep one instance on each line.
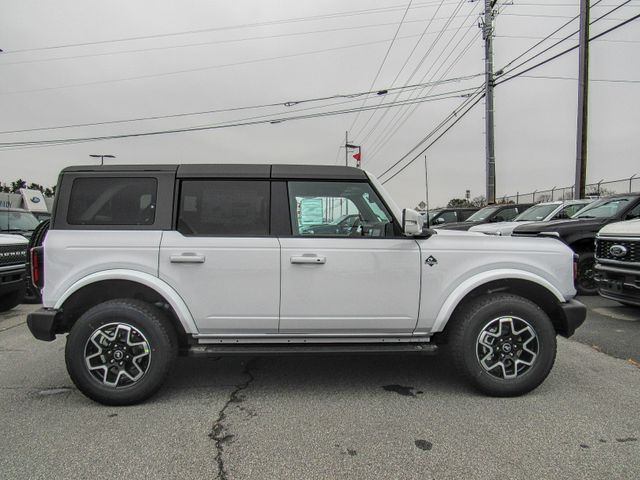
(357,156)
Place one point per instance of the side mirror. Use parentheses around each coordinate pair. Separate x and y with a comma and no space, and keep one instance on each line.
(439,220)
(412,222)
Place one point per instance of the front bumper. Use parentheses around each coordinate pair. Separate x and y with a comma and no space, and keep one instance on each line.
(12,279)
(618,283)
(43,323)
(572,315)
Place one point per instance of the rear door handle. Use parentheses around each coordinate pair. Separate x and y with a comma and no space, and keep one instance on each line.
(187,258)
(308,259)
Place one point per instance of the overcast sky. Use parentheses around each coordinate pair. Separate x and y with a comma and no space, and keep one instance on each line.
(255,52)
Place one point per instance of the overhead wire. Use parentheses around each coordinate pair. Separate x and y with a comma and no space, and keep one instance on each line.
(384,59)
(288,103)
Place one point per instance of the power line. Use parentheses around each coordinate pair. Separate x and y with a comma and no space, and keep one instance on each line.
(214,42)
(395,126)
(384,59)
(199,69)
(289,103)
(369,11)
(243,122)
(604,80)
(374,147)
(564,52)
(458,118)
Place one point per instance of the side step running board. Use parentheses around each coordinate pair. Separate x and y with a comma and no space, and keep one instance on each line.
(288,349)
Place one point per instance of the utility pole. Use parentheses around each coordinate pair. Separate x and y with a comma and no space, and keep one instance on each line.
(487,35)
(346,149)
(583,107)
(102,157)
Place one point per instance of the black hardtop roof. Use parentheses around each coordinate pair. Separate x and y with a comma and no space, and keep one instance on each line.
(235,170)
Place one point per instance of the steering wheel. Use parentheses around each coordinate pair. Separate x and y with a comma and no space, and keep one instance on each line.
(357,223)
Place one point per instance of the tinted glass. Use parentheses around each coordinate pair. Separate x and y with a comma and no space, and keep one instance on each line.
(224,207)
(605,208)
(343,209)
(112,201)
(507,214)
(482,214)
(536,213)
(17,221)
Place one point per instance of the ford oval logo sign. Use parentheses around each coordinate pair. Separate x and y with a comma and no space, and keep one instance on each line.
(35,199)
(618,251)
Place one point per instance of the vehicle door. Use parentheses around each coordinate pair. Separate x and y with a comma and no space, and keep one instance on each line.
(362,279)
(221,258)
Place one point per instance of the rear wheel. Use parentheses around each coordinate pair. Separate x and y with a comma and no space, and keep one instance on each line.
(504,344)
(120,351)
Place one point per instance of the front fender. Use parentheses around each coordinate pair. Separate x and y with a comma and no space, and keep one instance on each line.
(470,284)
(162,288)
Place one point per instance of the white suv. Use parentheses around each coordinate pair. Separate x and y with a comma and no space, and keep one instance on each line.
(142,263)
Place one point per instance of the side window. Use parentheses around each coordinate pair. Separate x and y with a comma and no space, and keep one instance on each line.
(113,201)
(633,213)
(449,217)
(508,214)
(224,207)
(568,211)
(342,209)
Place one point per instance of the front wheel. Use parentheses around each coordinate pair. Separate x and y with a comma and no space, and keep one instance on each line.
(120,351)
(585,281)
(505,345)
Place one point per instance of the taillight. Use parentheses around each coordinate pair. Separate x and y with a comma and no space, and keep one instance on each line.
(575,266)
(36,267)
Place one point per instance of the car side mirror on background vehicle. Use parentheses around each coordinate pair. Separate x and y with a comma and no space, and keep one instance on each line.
(439,220)
(412,222)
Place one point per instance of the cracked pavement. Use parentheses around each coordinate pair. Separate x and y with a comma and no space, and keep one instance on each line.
(320,417)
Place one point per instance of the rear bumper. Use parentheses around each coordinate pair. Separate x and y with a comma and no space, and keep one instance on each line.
(572,315)
(43,323)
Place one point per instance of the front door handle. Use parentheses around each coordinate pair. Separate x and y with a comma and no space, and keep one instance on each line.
(187,258)
(308,259)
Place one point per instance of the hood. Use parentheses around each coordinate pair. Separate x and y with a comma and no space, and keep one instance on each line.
(630,228)
(12,239)
(586,224)
(458,226)
(500,228)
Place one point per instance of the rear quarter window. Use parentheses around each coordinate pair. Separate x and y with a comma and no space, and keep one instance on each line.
(112,201)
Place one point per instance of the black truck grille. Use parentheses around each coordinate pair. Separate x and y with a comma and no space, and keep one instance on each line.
(632,247)
(12,255)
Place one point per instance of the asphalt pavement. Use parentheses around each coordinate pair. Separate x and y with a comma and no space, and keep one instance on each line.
(329,417)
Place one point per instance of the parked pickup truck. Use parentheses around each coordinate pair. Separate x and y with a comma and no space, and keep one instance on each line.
(13,254)
(617,270)
(579,232)
(144,262)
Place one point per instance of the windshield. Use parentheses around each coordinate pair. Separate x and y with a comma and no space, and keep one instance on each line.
(17,221)
(605,208)
(535,213)
(482,214)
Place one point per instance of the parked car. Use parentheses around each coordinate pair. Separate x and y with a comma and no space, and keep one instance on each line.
(542,212)
(13,252)
(441,216)
(214,259)
(617,270)
(17,221)
(491,214)
(579,232)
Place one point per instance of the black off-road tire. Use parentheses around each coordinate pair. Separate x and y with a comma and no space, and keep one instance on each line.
(475,317)
(146,319)
(585,283)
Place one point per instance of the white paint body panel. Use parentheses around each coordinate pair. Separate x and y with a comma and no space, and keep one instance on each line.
(72,255)
(235,290)
(630,228)
(367,285)
(468,260)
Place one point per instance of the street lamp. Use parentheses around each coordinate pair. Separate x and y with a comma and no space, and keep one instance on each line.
(102,157)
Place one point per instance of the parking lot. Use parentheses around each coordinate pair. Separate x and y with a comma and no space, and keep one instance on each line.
(329,417)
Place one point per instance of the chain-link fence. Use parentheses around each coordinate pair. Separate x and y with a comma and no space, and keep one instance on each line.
(600,189)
